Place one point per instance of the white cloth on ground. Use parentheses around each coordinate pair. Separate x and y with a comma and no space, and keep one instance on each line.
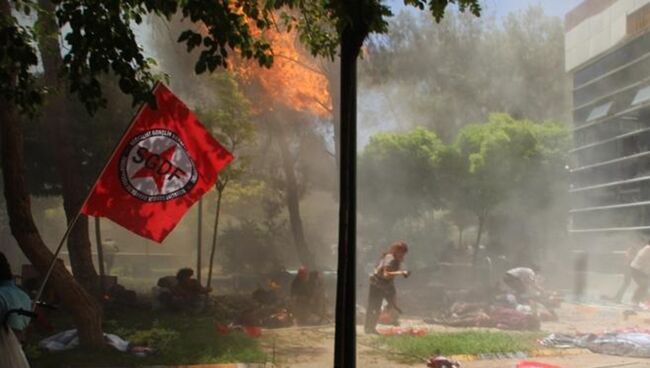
(69,339)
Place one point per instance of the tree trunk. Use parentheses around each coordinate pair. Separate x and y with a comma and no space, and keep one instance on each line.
(293,200)
(479,232)
(74,191)
(345,335)
(215,229)
(85,311)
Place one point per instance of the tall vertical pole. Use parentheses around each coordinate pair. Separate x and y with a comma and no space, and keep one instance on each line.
(215,231)
(100,254)
(198,241)
(345,335)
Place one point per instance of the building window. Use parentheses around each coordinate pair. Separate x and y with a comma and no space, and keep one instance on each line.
(599,111)
(642,95)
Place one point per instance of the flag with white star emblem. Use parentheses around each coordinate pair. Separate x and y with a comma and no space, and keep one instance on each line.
(164,163)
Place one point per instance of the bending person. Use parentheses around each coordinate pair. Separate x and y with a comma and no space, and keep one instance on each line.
(523,281)
(382,286)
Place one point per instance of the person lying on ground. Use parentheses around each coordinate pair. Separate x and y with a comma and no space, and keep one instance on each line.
(487,315)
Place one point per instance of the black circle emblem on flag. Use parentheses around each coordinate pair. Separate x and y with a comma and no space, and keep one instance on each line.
(155,166)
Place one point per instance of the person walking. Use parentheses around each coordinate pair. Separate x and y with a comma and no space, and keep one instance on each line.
(382,286)
(640,271)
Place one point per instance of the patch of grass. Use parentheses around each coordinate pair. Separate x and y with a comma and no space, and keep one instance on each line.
(179,339)
(412,349)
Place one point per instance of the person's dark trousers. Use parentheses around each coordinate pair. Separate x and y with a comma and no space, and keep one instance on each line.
(641,279)
(375,297)
(627,279)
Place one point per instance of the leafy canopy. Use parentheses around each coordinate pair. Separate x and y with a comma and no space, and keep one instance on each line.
(401,172)
(506,156)
(101,38)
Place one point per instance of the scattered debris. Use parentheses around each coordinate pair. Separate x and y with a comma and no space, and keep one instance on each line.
(402,331)
(252,331)
(442,362)
(629,343)
(531,364)
(69,339)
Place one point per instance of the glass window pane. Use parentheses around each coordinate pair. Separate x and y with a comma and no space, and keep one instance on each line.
(599,111)
(642,95)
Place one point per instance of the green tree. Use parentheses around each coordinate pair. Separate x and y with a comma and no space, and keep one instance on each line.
(400,191)
(399,175)
(501,158)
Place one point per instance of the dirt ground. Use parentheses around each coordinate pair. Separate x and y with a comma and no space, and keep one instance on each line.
(312,347)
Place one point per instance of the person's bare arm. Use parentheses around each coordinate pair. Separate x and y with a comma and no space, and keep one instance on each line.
(391,274)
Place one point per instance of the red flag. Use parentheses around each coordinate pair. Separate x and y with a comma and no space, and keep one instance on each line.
(164,163)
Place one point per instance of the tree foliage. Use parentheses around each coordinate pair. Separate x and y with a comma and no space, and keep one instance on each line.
(447,75)
(490,166)
(399,174)
(93,137)
(101,38)
(230,121)
(504,157)
(17,58)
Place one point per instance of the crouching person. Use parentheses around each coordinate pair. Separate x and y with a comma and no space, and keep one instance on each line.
(182,294)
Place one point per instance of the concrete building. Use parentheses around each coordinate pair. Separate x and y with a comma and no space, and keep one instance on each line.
(607,44)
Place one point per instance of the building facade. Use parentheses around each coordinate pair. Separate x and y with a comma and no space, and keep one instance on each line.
(607,45)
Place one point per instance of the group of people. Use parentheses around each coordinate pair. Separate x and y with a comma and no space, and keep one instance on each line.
(523,284)
(306,301)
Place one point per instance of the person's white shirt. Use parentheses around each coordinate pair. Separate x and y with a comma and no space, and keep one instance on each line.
(641,261)
(525,275)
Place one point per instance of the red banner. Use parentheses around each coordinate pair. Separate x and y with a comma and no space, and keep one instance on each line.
(164,163)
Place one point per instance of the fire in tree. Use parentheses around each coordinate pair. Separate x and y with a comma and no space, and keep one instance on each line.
(296,81)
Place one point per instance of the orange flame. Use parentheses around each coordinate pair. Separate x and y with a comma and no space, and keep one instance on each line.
(295,80)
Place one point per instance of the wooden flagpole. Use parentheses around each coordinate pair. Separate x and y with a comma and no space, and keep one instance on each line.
(215,232)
